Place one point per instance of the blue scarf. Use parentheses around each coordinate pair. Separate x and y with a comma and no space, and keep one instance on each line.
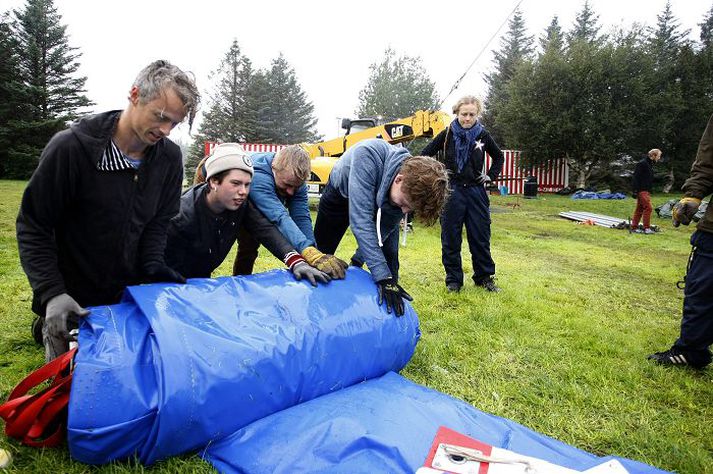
(464,141)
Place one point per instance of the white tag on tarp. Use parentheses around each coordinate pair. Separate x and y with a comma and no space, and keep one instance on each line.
(455,453)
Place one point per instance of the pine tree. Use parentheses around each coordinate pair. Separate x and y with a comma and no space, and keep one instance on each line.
(668,109)
(586,26)
(13,101)
(227,118)
(397,87)
(48,67)
(553,39)
(515,48)
(287,116)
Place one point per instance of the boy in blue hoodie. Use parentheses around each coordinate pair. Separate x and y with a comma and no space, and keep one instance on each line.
(370,189)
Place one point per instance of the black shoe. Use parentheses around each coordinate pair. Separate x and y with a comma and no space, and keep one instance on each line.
(488,284)
(675,356)
(453,287)
(37,324)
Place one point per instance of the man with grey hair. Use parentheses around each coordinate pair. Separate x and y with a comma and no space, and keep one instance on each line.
(94,215)
(279,192)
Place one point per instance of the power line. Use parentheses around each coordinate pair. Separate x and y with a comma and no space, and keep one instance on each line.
(457,83)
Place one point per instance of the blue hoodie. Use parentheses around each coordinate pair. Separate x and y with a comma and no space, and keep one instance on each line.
(294,222)
(364,175)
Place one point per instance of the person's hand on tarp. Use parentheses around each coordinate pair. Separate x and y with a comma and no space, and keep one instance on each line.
(327,263)
(55,331)
(393,295)
(305,270)
(157,272)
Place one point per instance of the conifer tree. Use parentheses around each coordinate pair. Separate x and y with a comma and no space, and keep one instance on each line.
(48,68)
(515,48)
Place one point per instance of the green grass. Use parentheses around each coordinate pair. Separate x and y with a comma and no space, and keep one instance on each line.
(561,350)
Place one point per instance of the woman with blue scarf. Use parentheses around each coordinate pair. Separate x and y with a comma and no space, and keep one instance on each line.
(462,147)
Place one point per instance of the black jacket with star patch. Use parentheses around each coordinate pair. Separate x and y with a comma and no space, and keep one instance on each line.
(444,146)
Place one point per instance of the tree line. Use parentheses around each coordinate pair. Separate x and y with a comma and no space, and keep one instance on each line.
(602,100)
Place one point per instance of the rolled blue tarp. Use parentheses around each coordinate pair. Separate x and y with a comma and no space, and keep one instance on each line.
(384,425)
(176,367)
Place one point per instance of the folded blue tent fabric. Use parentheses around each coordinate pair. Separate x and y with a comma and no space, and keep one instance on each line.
(384,425)
(594,195)
(175,367)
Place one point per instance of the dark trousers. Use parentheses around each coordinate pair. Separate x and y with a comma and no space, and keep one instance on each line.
(247,253)
(467,205)
(697,323)
(332,220)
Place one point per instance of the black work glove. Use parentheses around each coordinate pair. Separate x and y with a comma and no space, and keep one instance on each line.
(305,270)
(59,309)
(635,194)
(392,293)
(162,273)
(684,210)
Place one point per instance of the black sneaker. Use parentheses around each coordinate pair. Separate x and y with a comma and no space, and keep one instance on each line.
(37,324)
(675,356)
(488,284)
(453,287)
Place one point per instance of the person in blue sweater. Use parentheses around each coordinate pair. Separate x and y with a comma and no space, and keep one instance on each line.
(370,189)
(279,191)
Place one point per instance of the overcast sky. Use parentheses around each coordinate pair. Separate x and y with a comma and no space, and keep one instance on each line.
(330,44)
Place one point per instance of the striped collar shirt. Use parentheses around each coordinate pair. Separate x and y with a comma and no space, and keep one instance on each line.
(114,160)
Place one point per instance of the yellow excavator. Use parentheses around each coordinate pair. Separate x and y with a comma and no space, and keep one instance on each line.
(324,154)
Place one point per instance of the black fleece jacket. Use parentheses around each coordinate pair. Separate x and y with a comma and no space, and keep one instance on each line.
(199,240)
(643,176)
(90,233)
(471,172)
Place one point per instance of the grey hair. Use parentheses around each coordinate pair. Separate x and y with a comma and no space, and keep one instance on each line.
(294,158)
(161,74)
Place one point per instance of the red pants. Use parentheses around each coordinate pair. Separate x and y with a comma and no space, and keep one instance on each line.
(643,208)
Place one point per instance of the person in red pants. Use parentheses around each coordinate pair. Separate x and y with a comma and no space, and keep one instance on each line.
(643,182)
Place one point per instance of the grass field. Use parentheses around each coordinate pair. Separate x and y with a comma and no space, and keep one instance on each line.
(561,350)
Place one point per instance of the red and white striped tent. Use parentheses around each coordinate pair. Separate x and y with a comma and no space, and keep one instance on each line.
(551,176)
(251,147)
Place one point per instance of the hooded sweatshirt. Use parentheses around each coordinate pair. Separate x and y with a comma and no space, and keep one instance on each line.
(364,175)
(88,232)
(293,221)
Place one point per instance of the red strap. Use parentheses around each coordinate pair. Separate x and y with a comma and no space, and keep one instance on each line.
(50,370)
(27,417)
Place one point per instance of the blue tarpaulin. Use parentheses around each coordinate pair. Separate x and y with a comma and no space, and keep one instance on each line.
(594,195)
(385,425)
(176,367)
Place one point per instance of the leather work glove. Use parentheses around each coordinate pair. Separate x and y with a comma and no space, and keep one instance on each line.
(394,296)
(162,273)
(304,270)
(329,264)
(55,333)
(684,210)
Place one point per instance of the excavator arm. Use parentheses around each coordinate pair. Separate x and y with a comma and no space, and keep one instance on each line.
(324,154)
